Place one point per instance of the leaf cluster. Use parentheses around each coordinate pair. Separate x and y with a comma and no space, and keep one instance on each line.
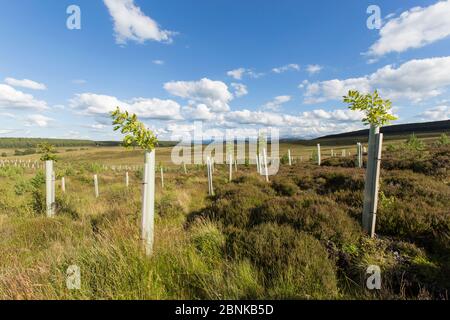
(47,151)
(136,133)
(376,110)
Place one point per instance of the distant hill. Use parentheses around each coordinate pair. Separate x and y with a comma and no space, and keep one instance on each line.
(398,131)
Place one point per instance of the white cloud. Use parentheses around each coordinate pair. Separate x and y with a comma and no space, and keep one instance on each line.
(130,23)
(25,83)
(313,68)
(237,73)
(158,62)
(37,120)
(277,102)
(414,28)
(13,98)
(98,126)
(96,104)
(306,119)
(436,113)
(6,131)
(288,67)
(240,89)
(199,112)
(415,80)
(214,94)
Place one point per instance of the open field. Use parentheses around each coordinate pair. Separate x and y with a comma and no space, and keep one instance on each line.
(298,236)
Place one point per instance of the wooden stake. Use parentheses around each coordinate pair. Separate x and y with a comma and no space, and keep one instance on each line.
(96,186)
(265,165)
(318,154)
(230,168)
(63,184)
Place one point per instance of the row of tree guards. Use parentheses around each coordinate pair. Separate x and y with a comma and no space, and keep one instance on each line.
(260,160)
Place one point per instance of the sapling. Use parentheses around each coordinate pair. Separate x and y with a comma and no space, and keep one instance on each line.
(137,135)
(377,113)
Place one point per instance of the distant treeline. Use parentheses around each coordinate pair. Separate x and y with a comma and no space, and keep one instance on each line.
(24,143)
(27,143)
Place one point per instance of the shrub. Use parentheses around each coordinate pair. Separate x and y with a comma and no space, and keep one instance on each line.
(234,202)
(285,254)
(413,143)
(313,214)
(284,159)
(284,187)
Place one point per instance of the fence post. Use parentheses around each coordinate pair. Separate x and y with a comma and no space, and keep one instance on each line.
(63,184)
(257,163)
(148,202)
(289,157)
(318,154)
(210,176)
(231,168)
(184,168)
(235,165)
(96,185)
(266,172)
(162,178)
(359,154)
(127,179)
(48,187)
(53,191)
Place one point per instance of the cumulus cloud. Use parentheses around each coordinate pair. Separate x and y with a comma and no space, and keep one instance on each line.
(277,102)
(237,73)
(307,118)
(415,80)
(25,83)
(13,98)
(240,89)
(288,67)
(199,112)
(436,114)
(214,94)
(37,120)
(96,104)
(313,68)
(130,23)
(414,28)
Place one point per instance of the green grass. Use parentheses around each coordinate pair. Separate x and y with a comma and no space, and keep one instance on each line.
(298,236)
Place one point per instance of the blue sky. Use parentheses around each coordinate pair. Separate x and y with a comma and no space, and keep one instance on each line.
(237,65)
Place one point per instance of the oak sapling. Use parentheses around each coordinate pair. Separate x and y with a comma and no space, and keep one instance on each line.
(137,135)
(376,114)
